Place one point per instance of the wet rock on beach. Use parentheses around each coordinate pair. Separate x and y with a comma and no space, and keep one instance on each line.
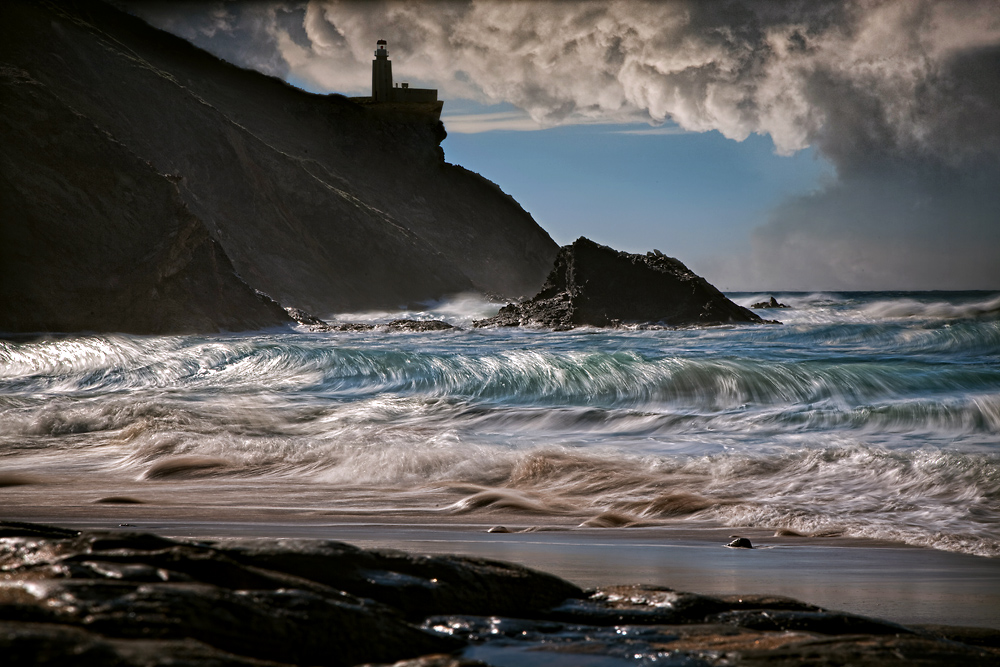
(128,599)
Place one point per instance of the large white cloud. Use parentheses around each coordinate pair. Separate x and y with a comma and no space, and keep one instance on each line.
(899,96)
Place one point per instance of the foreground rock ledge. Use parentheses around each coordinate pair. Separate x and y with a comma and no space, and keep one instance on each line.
(594,285)
(123,598)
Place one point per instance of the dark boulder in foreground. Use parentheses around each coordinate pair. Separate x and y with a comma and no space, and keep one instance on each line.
(595,285)
(129,599)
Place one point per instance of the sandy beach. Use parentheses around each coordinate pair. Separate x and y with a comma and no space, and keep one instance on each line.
(875,578)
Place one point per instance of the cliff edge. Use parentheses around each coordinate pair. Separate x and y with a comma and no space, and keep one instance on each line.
(314,200)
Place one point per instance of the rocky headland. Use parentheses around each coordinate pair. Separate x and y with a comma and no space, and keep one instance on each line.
(127,598)
(147,186)
(594,285)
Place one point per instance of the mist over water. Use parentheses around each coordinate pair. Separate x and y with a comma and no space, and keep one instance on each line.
(864,414)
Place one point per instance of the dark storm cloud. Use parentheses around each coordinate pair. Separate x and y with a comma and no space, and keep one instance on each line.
(919,227)
(917,200)
(902,97)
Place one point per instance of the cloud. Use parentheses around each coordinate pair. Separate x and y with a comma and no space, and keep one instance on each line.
(247,34)
(916,228)
(474,123)
(903,98)
(519,121)
(655,131)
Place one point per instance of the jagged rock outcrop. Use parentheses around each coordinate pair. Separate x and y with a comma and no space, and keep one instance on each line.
(316,201)
(592,284)
(130,599)
(772,303)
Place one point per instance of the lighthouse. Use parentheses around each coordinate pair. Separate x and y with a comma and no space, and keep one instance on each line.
(381,73)
(397,98)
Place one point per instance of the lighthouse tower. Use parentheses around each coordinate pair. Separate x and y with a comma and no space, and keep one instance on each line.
(381,73)
(397,98)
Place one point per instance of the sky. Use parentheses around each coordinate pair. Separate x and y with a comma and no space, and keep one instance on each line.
(794,145)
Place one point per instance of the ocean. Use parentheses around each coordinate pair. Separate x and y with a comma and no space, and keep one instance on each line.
(870,415)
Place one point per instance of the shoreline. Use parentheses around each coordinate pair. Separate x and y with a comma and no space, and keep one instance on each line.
(136,598)
(899,583)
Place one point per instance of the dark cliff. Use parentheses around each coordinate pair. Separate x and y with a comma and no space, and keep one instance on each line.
(92,238)
(314,200)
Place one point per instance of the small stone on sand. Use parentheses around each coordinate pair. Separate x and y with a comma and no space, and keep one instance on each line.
(119,500)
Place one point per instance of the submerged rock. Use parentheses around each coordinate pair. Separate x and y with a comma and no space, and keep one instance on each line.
(395,325)
(419,325)
(349,326)
(592,284)
(128,599)
(638,605)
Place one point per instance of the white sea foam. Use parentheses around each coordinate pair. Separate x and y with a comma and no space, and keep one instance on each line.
(854,307)
(936,310)
(458,310)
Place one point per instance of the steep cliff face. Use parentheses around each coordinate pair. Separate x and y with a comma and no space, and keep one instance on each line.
(93,238)
(316,201)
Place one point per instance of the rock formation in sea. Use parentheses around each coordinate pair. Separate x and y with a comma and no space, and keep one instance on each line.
(129,599)
(187,184)
(772,303)
(592,284)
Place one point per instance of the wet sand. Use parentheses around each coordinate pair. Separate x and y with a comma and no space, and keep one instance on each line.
(904,584)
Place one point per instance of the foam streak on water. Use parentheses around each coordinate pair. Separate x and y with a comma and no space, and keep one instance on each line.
(873,415)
